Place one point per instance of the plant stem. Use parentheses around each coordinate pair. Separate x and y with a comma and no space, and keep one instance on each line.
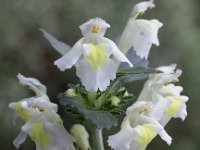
(91,97)
(97,139)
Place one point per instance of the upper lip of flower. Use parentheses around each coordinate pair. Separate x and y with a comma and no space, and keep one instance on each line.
(96,26)
(33,84)
(141,7)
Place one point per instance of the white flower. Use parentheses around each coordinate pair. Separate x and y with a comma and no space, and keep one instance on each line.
(42,123)
(91,55)
(81,136)
(159,101)
(139,33)
(137,131)
(160,88)
(27,107)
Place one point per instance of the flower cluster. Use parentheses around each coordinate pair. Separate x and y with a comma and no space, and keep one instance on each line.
(42,123)
(102,97)
(159,101)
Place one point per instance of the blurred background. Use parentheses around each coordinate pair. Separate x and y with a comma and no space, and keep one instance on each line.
(24,50)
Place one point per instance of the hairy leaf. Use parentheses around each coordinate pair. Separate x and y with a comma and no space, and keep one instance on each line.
(137,70)
(129,75)
(59,46)
(102,119)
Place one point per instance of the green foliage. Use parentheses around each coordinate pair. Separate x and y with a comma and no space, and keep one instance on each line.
(130,75)
(97,108)
(137,70)
(101,119)
(59,46)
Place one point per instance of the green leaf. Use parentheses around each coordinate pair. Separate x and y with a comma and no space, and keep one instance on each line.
(137,70)
(59,46)
(129,75)
(102,119)
(121,81)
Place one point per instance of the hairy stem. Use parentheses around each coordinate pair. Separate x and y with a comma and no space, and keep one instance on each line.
(91,98)
(97,139)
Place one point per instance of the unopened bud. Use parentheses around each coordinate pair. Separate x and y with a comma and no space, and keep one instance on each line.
(81,136)
(71,93)
(115,100)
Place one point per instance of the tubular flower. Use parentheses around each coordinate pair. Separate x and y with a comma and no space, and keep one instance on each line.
(137,131)
(139,33)
(159,101)
(42,123)
(91,56)
(160,88)
(28,108)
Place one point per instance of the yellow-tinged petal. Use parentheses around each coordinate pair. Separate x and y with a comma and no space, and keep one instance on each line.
(40,135)
(22,113)
(174,107)
(146,135)
(97,56)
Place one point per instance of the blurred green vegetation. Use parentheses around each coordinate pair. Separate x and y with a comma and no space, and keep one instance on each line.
(24,50)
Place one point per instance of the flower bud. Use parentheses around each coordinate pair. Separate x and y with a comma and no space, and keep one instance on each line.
(81,136)
(71,92)
(115,100)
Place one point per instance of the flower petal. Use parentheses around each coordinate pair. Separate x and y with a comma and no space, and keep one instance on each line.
(38,133)
(60,135)
(159,106)
(170,90)
(122,140)
(167,69)
(137,107)
(96,55)
(149,29)
(130,33)
(117,52)
(21,109)
(70,58)
(142,47)
(182,113)
(155,126)
(147,37)
(165,137)
(34,84)
(94,79)
(94,27)
(19,139)
(141,7)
